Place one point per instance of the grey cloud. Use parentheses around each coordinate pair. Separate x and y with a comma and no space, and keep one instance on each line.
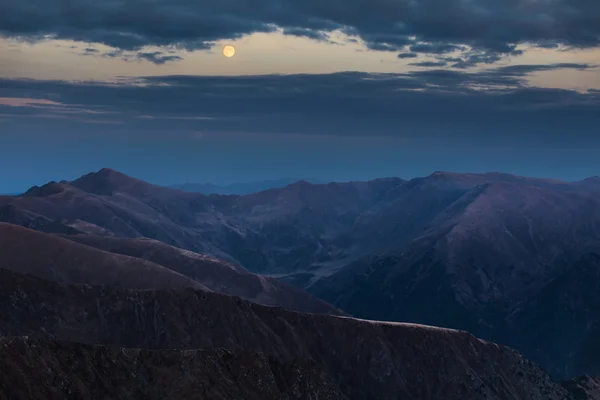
(158,57)
(526,69)
(487,26)
(305,32)
(408,55)
(434,48)
(429,64)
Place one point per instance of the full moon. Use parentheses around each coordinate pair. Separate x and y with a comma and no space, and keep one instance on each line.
(228,51)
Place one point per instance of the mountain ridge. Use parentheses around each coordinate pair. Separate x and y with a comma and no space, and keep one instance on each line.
(365,359)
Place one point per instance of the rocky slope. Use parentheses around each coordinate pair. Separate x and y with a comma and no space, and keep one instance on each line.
(560,326)
(61,260)
(583,388)
(364,359)
(45,369)
(141,264)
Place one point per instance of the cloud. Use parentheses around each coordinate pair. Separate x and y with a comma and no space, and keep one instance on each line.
(155,57)
(497,101)
(408,55)
(429,64)
(520,70)
(26,102)
(308,33)
(434,48)
(158,57)
(432,26)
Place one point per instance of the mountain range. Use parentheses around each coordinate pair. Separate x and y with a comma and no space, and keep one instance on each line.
(510,259)
(240,187)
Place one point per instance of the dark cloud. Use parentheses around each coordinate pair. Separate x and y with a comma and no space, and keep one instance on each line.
(520,70)
(438,102)
(158,57)
(434,48)
(434,26)
(429,64)
(408,55)
(308,33)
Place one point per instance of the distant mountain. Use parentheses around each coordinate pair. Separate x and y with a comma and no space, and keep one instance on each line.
(239,188)
(466,251)
(273,353)
(275,231)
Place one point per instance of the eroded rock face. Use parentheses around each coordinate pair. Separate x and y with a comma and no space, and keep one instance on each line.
(364,359)
(45,369)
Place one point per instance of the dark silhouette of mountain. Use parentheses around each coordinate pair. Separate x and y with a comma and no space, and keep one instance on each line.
(326,355)
(462,251)
(238,188)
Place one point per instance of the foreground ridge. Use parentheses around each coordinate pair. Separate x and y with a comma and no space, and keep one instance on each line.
(46,369)
(365,360)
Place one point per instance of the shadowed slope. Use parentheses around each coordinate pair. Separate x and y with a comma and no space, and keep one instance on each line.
(365,359)
(217,275)
(43,369)
(50,257)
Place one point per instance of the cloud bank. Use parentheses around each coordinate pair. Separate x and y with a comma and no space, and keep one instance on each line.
(483,30)
(497,102)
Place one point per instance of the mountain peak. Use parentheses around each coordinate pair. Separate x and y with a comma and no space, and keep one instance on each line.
(302,182)
(48,189)
(105,181)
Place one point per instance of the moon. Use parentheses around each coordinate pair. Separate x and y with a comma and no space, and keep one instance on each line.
(228,51)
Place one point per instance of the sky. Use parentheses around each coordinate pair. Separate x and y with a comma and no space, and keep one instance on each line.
(324,89)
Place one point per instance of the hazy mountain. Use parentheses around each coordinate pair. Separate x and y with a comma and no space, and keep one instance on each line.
(239,188)
(342,356)
(296,228)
